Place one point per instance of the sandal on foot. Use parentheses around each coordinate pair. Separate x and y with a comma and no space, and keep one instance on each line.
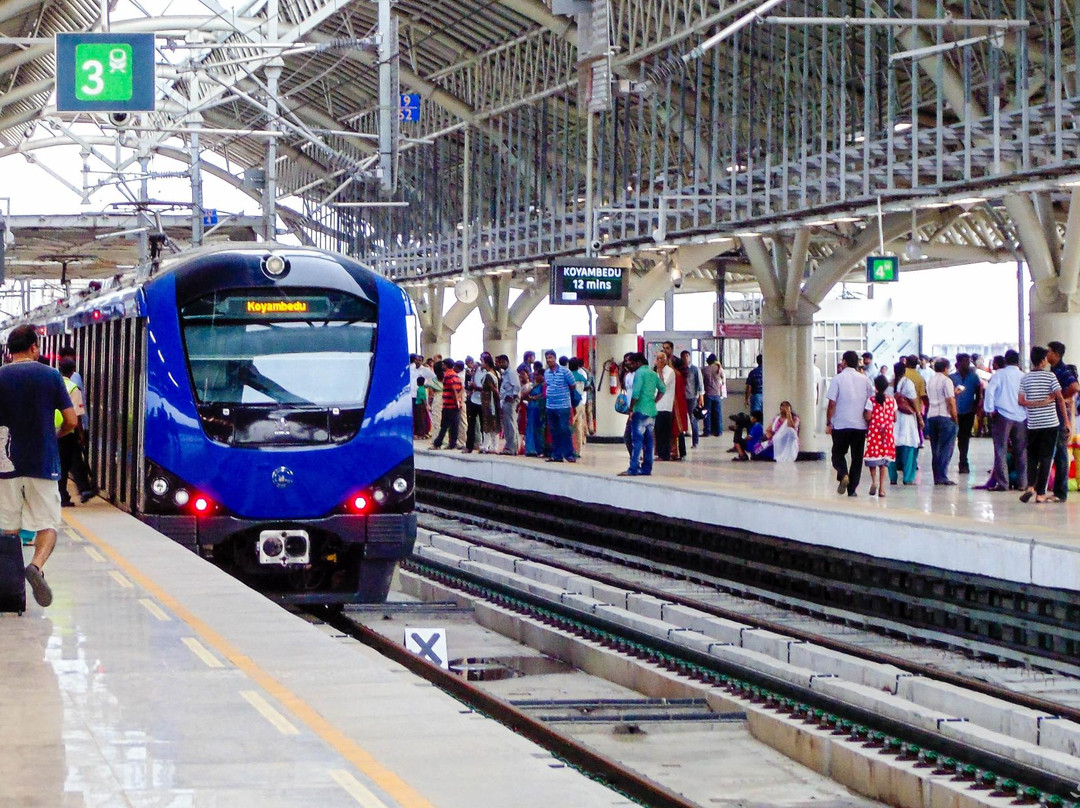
(36,578)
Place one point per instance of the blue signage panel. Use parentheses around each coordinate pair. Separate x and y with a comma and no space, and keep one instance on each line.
(410,107)
(209,217)
(105,72)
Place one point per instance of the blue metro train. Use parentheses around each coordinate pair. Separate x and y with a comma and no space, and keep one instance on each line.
(252,403)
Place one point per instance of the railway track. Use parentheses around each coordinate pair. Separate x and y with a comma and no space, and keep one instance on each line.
(1053,693)
(1033,626)
(525,719)
(973,666)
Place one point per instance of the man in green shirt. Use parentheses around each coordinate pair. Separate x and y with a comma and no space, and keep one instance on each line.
(648,388)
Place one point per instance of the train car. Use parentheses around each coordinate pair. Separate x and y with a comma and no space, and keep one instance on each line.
(252,402)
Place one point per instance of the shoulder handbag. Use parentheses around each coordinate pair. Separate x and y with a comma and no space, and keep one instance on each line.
(622,403)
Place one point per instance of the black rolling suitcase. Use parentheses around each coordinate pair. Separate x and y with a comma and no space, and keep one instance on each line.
(12,574)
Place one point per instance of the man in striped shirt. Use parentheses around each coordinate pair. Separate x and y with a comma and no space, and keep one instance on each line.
(452,402)
(1040,393)
(557,383)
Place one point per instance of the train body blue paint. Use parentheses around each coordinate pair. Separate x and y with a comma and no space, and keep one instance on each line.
(253,403)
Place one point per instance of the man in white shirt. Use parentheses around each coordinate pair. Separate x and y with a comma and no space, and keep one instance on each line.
(1008,422)
(845,420)
(942,421)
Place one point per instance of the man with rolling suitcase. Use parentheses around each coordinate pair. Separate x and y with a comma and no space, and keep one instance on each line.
(30,394)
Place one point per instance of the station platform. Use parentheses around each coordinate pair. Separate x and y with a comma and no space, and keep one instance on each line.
(155,679)
(956,528)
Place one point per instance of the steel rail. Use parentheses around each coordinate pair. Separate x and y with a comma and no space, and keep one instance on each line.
(608,770)
(756,684)
(986,688)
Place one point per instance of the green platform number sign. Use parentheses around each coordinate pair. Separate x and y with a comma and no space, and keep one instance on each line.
(882,269)
(105,72)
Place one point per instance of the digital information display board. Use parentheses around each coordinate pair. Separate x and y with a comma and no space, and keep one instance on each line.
(882,269)
(590,281)
(105,72)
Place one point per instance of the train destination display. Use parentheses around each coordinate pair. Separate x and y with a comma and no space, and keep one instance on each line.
(590,281)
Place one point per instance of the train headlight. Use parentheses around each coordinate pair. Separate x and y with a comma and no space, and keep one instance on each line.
(296,546)
(272,547)
(181,497)
(159,486)
(379,496)
(400,485)
(275,265)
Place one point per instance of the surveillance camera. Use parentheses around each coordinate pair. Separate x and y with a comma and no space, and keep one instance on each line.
(121,119)
(597,244)
(676,278)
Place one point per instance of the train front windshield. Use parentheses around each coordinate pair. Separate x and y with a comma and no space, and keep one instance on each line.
(309,348)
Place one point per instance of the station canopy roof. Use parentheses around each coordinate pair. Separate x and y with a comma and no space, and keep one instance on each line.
(329,84)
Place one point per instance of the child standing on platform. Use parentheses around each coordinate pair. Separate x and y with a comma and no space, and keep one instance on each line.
(880,437)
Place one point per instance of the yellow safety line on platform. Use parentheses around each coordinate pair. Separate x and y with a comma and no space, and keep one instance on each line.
(356,789)
(280,722)
(390,782)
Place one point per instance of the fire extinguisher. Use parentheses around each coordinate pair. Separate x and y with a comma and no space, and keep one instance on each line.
(613,376)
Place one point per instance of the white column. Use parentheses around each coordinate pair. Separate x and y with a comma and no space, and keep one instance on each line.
(610,424)
(788,359)
(431,345)
(1054,316)
(506,346)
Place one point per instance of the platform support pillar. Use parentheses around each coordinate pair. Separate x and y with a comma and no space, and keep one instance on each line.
(503,319)
(788,359)
(787,329)
(1054,268)
(436,325)
(616,335)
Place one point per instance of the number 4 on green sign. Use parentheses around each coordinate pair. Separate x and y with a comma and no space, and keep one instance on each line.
(103,72)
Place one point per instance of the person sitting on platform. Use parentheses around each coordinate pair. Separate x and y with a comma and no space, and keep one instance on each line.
(783,435)
(751,445)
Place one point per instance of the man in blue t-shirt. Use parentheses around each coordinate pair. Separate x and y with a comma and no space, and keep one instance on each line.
(30,395)
(968,388)
(557,383)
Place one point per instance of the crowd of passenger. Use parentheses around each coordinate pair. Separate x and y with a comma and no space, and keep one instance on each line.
(547,408)
(883,419)
(539,409)
(878,417)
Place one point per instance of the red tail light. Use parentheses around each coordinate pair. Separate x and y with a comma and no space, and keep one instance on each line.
(359,503)
(201,504)
(96,315)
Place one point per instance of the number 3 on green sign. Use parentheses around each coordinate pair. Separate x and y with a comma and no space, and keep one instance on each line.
(94,71)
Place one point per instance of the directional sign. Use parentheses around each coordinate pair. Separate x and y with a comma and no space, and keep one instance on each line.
(410,107)
(429,644)
(105,72)
(882,269)
(209,217)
